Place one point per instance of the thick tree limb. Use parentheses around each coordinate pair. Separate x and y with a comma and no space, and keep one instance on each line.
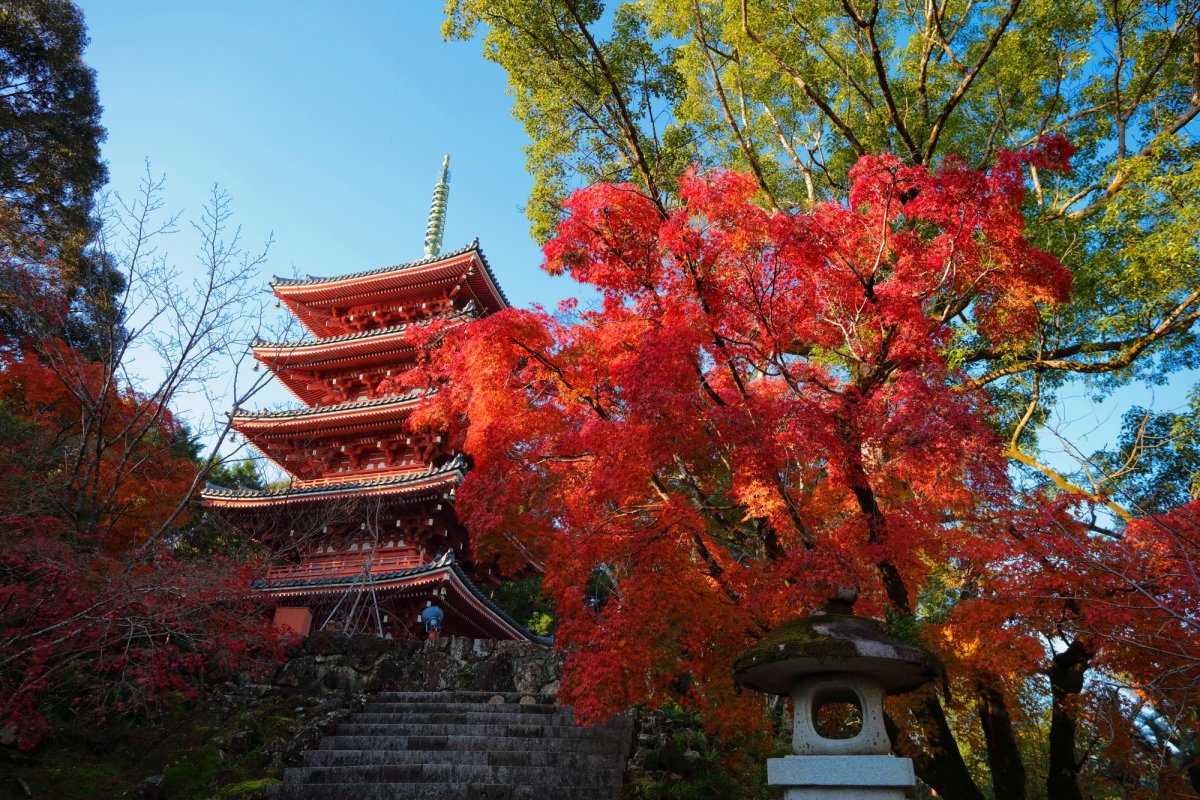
(937,760)
(625,118)
(939,124)
(1174,322)
(804,87)
(1066,681)
(1004,757)
(868,27)
(747,151)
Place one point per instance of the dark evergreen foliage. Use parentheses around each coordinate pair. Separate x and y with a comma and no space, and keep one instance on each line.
(50,173)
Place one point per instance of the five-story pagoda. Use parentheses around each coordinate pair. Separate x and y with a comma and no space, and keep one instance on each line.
(365,533)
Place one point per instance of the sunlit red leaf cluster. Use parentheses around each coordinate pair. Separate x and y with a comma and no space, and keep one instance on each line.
(759,410)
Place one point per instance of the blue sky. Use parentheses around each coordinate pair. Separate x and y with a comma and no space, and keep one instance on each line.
(326,123)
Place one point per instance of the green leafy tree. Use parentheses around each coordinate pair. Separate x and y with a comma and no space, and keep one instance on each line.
(1155,466)
(50,173)
(50,132)
(236,474)
(794,94)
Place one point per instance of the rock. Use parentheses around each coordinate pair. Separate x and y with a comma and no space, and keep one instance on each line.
(381,665)
(343,679)
(240,742)
(460,646)
(438,645)
(438,671)
(509,649)
(326,643)
(397,671)
(299,673)
(492,675)
(362,651)
(152,788)
(496,700)
(529,675)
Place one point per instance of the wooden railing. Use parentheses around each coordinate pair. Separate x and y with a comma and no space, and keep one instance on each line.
(336,565)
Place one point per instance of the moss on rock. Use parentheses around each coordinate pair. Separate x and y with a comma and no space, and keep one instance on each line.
(834,643)
(248,790)
(799,638)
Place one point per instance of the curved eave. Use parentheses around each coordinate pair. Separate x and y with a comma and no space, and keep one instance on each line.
(349,341)
(399,488)
(358,414)
(308,297)
(305,354)
(295,363)
(384,347)
(439,573)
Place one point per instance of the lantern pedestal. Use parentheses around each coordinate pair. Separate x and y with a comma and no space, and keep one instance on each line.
(842,777)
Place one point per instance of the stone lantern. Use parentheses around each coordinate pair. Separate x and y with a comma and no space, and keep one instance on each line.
(834,657)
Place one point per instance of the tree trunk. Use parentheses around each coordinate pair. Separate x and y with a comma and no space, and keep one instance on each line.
(1004,759)
(938,762)
(1066,680)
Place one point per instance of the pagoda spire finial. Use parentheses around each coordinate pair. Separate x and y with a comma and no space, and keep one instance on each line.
(437,212)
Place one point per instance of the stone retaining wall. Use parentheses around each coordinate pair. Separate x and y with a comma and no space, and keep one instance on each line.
(338,662)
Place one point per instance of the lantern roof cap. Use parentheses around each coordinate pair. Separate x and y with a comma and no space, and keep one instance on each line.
(828,643)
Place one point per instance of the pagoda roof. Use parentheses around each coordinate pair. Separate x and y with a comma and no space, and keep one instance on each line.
(469,311)
(324,350)
(391,281)
(320,349)
(380,347)
(404,487)
(356,413)
(443,570)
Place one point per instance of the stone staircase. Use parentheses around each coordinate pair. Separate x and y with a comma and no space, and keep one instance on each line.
(462,746)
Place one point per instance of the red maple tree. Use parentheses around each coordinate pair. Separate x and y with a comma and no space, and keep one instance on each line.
(764,406)
(95,617)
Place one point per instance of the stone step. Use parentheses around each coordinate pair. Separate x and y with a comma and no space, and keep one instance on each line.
(497,758)
(462,697)
(532,731)
(456,773)
(473,742)
(445,791)
(462,746)
(371,717)
(380,707)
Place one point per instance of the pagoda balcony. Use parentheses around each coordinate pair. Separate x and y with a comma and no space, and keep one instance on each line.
(346,564)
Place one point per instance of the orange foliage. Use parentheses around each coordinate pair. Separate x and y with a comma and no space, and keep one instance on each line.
(94,607)
(118,483)
(761,410)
